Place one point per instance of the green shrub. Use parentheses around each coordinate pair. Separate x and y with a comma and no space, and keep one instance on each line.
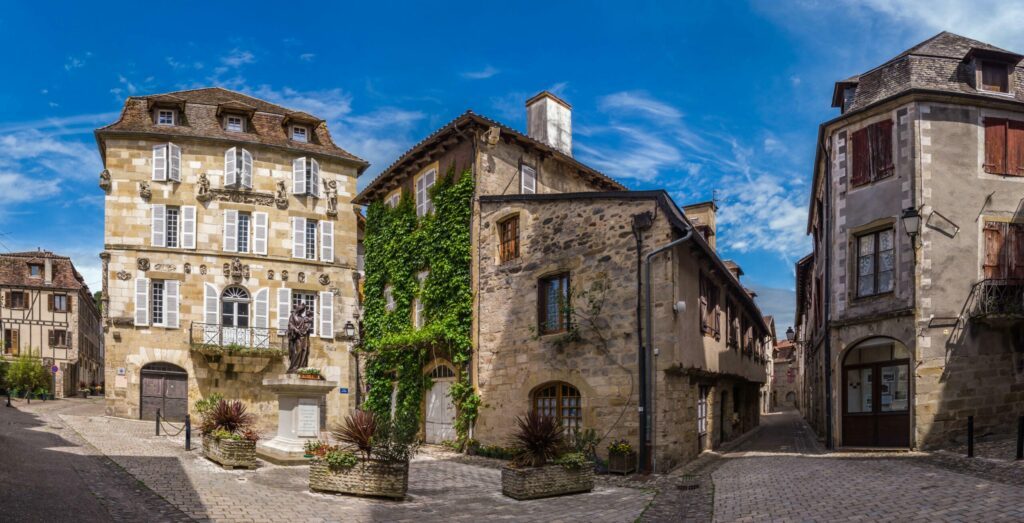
(28,374)
(573,460)
(340,459)
(205,405)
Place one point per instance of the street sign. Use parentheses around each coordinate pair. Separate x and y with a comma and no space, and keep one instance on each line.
(344,390)
(54,369)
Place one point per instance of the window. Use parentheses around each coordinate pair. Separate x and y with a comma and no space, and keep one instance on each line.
(156,303)
(173,220)
(389,298)
(234,307)
(157,299)
(872,153)
(234,123)
(306,177)
(508,236)
(238,168)
(419,319)
(165,117)
(528,179)
(710,310)
(702,409)
(35,270)
(173,227)
(299,133)
(1004,147)
(59,338)
(393,199)
(554,304)
(59,303)
(732,339)
(1004,250)
(560,401)
(876,263)
(11,342)
(995,77)
(244,221)
(424,205)
(311,226)
(16,300)
(304,238)
(166,162)
(306,298)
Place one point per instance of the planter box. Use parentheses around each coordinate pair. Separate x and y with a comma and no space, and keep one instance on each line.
(310,376)
(230,453)
(622,463)
(366,478)
(546,481)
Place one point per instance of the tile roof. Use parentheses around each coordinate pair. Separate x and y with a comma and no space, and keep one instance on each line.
(14,270)
(200,119)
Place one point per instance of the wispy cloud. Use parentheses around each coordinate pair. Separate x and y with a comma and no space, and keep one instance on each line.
(77,62)
(778,303)
(486,72)
(237,58)
(1001,25)
(307,57)
(131,87)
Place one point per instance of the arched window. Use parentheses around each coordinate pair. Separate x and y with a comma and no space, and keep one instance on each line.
(561,401)
(442,371)
(235,307)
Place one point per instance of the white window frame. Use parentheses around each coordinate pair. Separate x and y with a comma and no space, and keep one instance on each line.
(227,123)
(160,114)
(389,298)
(527,188)
(304,132)
(424,205)
(246,238)
(393,199)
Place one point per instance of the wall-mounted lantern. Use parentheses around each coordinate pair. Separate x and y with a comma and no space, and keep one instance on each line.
(911,222)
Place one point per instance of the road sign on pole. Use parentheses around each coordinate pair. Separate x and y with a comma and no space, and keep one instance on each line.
(54,369)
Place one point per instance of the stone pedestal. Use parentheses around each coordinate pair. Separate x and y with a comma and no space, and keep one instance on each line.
(298,420)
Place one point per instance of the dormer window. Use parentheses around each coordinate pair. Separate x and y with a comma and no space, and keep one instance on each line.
(995,77)
(165,117)
(35,270)
(300,133)
(235,124)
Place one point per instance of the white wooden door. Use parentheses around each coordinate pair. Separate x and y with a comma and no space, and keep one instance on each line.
(440,412)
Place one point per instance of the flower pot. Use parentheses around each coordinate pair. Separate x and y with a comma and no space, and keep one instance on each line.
(549,480)
(83,394)
(230,453)
(309,376)
(619,463)
(366,478)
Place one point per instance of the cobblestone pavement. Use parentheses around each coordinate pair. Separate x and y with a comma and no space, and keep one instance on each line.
(441,487)
(49,473)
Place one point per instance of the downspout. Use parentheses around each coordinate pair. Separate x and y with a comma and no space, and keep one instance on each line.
(827,296)
(647,364)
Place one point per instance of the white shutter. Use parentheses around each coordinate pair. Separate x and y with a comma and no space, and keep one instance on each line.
(326,315)
(259,232)
(430,179)
(261,309)
(246,169)
(230,231)
(327,241)
(529,180)
(314,179)
(175,170)
(284,307)
(171,304)
(299,175)
(210,305)
(141,302)
(188,227)
(159,225)
(421,195)
(160,162)
(230,176)
(298,237)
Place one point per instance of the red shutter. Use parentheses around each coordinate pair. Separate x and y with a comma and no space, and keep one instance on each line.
(49,302)
(67,304)
(861,161)
(995,145)
(1015,148)
(881,149)
(995,234)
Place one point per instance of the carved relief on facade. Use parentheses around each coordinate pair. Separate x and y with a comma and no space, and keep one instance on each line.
(202,269)
(324,279)
(123,275)
(248,198)
(281,199)
(144,191)
(203,188)
(331,195)
(105,180)
(188,268)
(165,267)
(236,271)
(284,275)
(302,277)
(142,264)
(270,274)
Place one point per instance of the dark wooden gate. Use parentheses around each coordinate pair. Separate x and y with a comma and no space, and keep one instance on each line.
(164,387)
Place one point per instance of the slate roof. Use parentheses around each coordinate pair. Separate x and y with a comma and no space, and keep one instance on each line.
(940,63)
(14,271)
(200,119)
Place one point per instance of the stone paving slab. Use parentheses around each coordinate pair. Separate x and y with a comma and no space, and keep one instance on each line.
(440,489)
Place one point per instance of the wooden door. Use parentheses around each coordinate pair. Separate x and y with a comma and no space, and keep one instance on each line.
(440,412)
(876,404)
(164,387)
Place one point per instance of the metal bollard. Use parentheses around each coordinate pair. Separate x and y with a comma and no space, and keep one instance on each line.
(970,436)
(157,422)
(188,432)
(1020,438)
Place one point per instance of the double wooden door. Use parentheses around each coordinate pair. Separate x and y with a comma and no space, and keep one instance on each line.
(876,404)
(164,387)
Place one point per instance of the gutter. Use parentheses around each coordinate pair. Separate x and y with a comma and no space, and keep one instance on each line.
(827,293)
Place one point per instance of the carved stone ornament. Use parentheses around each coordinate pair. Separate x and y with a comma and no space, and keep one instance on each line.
(202,269)
(144,191)
(165,267)
(331,195)
(302,277)
(105,180)
(324,279)
(247,197)
(143,264)
(235,270)
(284,275)
(123,275)
(188,268)
(203,188)
(270,274)
(281,198)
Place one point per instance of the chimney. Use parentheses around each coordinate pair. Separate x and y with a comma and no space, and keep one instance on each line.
(48,270)
(702,215)
(549,120)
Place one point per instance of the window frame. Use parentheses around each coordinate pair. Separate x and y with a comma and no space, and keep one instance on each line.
(23,295)
(161,112)
(227,123)
(562,390)
(304,133)
(703,394)
(990,65)
(563,317)
(870,137)
(523,166)
(392,200)
(508,247)
(239,236)
(177,226)
(312,239)
(156,306)
(875,234)
(38,266)
(60,344)
(61,298)
(424,203)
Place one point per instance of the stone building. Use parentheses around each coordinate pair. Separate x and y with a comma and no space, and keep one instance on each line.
(785,374)
(913,318)
(557,250)
(47,312)
(223,212)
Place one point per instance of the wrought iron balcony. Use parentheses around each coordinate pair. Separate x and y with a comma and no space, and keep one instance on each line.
(996,300)
(207,335)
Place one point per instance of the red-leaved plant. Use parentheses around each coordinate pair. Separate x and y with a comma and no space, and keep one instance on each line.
(537,440)
(358,431)
(230,416)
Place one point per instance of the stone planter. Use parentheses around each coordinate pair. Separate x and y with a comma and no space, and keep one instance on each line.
(622,463)
(546,481)
(230,453)
(366,478)
(83,394)
(310,376)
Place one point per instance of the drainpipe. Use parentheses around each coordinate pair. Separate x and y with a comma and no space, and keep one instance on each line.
(827,295)
(647,364)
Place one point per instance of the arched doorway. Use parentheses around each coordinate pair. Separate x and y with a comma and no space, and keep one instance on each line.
(164,387)
(440,419)
(234,316)
(876,394)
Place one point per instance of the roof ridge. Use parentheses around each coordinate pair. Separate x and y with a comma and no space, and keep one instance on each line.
(284,110)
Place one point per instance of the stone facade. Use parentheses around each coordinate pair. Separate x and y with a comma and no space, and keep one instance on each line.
(365,478)
(267,273)
(544,482)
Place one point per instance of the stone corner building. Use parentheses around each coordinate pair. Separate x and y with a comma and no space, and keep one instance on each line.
(558,326)
(47,312)
(223,212)
(911,307)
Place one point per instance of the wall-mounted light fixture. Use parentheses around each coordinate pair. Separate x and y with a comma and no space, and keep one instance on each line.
(911,222)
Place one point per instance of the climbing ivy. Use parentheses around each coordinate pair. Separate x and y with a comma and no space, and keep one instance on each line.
(398,247)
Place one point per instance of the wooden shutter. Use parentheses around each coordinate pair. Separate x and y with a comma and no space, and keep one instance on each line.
(1015,148)
(284,307)
(299,175)
(261,309)
(49,302)
(246,169)
(230,230)
(175,162)
(717,311)
(171,302)
(327,241)
(995,145)
(141,301)
(259,232)
(314,177)
(210,304)
(298,237)
(188,226)
(703,304)
(995,236)
(881,149)
(159,225)
(326,315)
(230,167)
(160,162)
(67,303)
(860,171)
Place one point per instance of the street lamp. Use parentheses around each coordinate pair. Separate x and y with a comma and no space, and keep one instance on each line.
(350,329)
(911,221)
(790,334)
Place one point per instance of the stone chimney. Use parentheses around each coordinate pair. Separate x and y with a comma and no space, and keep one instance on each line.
(702,215)
(549,120)
(48,270)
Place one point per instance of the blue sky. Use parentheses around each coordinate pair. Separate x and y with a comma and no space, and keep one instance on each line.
(698,98)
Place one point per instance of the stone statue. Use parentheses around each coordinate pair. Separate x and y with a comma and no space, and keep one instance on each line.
(281,198)
(105,180)
(300,326)
(203,188)
(144,191)
(331,194)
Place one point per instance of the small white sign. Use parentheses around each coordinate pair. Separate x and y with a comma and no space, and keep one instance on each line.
(308,423)
(120,371)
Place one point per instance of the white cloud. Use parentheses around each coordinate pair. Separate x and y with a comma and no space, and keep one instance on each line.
(237,58)
(131,87)
(638,103)
(482,74)
(328,104)
(307,57)
(18,188)
(75,62)
(992,21)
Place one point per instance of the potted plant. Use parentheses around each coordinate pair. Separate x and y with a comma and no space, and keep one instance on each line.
(311,447)
(373,459)
(83,390)
(541,468)
(621,457)
(310,373)
(228,438)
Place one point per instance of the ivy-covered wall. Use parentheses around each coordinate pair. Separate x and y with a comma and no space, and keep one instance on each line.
(398,247)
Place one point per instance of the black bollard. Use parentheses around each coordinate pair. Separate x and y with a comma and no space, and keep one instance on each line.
(970,436)
(1020,438)
(188,433)
(157,422)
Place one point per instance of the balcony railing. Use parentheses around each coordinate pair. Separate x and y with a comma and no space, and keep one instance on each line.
(249,338)
(996,299)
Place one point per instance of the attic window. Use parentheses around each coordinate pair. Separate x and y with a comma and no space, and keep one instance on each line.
(995,77)
(234,123)
(35,270)
(300,133)
(165,117)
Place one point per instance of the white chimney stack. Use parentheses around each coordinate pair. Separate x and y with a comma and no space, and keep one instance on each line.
(549,120)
